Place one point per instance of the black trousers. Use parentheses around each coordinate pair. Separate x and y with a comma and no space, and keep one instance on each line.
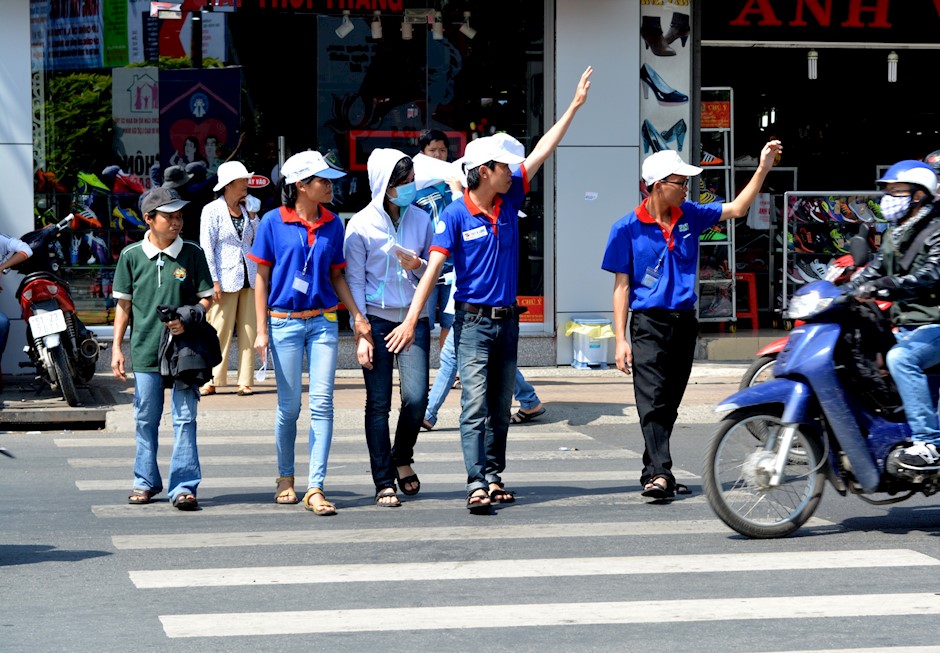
(663,345)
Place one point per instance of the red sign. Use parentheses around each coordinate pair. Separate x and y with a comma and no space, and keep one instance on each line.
(258,181)
(536,306)
(716,115)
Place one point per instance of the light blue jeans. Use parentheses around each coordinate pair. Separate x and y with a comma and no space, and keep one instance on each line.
(447,372)
(916,350)
(290,338)
(185,473)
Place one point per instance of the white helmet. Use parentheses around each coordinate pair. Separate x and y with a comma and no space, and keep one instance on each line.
(914,172)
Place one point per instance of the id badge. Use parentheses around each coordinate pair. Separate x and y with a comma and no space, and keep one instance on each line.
(651,278)
(300,284)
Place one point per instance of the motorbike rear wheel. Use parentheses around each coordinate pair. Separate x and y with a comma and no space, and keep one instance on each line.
(737,471)
(762,369)
(63,376)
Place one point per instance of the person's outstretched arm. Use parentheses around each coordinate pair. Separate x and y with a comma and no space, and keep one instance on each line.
(547,144)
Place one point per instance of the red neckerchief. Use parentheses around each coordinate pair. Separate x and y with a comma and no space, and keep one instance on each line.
(291,215)
(643,215)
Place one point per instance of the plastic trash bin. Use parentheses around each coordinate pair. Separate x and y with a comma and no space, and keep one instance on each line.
(590,342)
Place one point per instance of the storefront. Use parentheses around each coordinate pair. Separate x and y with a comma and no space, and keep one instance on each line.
(302,74)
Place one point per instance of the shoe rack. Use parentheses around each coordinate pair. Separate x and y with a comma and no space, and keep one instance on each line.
(817,226)
(715,287)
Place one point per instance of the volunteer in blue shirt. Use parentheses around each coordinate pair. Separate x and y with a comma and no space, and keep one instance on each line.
(653,252)
(299,251)
(480,231)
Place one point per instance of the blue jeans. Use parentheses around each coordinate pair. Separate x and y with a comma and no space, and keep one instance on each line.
(444,381)
(413,384)
(185,473)
(486,357)
(437,302)
(290,338)
(916,350)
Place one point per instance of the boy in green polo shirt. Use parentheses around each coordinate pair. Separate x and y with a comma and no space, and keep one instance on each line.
(161,269)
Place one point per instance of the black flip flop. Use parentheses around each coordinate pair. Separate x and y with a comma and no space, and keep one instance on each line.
(521,417)
(682,489)
(185,501)
(656,491)
(413,480)
(481,507)
(387,492)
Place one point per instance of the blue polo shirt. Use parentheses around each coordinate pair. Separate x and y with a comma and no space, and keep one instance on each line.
(484,248)
(287,243)
(638,244)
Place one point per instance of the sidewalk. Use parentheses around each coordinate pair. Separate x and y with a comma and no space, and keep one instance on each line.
(575,396)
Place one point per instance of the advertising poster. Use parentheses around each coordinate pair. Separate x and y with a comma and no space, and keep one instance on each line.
(136,112)
(74,36)
(666,77)
(199,115)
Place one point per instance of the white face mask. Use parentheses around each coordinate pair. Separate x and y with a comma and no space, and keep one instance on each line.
(262,374)
(894,208)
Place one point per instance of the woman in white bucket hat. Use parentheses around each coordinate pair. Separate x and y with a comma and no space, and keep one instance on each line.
(226,234)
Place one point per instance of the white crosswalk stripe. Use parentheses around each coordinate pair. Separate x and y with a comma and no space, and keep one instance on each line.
(548,614)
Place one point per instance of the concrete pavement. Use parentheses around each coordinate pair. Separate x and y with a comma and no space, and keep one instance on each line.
(577,397)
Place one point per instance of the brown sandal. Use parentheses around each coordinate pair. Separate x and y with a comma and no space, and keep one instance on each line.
(323,509)
(284,494)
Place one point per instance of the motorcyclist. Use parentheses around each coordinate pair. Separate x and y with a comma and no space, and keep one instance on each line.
(906,270)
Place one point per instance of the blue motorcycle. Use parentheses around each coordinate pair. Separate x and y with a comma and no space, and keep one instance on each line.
(829,413)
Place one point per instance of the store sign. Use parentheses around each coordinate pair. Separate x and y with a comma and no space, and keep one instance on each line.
(536,306)
(850,21)
(716,115)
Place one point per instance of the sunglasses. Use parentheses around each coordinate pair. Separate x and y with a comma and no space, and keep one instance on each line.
(682,184)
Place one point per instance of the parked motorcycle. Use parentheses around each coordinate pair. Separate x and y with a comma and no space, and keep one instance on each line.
(829,413)
(63,351)
(838,272)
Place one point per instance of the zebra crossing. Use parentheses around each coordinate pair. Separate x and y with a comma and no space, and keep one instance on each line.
(580,562)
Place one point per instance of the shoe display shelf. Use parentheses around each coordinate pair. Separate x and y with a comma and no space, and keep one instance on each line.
(104,225)
(715,284)
(760,251)
(817,226)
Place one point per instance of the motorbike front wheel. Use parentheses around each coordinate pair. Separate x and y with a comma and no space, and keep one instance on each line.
(737,473)
(63,376)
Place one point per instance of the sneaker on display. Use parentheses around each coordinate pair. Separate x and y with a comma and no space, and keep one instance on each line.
(806,272)
(794,276)
(715,233)
(711,159)
(819,269)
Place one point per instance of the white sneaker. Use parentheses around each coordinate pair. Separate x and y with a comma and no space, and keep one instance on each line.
(818,268)
(919,456)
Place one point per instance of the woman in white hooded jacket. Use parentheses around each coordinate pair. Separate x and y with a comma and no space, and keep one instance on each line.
(387,247)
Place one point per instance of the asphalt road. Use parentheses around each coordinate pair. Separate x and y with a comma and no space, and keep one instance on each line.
(580,563)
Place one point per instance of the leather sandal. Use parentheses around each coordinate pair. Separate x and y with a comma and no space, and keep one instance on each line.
(206,390)
(285,494)
(139,496)
(479,504)
(500,494)
(322,509)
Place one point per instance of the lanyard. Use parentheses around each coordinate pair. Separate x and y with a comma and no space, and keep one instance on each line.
(303,243)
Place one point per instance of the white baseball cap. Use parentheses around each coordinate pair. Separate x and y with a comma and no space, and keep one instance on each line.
(229,172)
(660,165)
(501,148)
(308,164)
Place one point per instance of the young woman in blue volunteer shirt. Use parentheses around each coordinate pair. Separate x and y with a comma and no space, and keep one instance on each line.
(387,246)
(299,251)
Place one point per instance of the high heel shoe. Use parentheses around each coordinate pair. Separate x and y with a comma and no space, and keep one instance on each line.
(652,32)
(676,133)
(652,139)
(678,29)
(663,91)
